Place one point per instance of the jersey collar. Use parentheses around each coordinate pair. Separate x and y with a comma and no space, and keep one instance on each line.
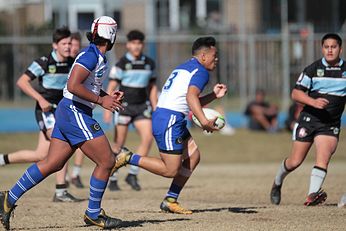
(132,58)
(325,63)
(98,52)
(54,56)
(196,60)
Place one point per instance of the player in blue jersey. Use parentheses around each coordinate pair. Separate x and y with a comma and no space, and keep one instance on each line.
(135,76)
(321,87)
(52,72)
(178,151)
(75,128)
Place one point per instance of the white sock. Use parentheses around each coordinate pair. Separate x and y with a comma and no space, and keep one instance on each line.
(114,177)
(76,170)
(2,161)
(60,191)
(281,173)
(134,170)
(316,180)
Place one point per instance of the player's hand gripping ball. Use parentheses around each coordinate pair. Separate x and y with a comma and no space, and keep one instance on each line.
(211,114)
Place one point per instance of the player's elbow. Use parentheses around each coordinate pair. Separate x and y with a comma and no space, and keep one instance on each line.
(71,87)
(295,94)
(21,82)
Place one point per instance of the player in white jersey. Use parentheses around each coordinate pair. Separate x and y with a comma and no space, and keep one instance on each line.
(75,128)
(180,94)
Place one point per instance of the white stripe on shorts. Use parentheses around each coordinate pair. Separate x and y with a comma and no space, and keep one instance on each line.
(85,127)
(168,134)
(294,131)
(79,123)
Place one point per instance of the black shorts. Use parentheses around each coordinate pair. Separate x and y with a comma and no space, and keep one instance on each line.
(133,112)
(45,120)
(308,127)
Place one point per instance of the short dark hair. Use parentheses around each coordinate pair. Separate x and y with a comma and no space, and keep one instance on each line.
(97,40)
(135,35)
(203,42)
(332,36)
(61,33)
(76,36)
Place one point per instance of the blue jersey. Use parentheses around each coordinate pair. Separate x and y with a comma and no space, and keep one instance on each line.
(95,63)
(74,122)
(173,95)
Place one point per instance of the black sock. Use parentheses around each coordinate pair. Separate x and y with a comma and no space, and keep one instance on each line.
(6,159)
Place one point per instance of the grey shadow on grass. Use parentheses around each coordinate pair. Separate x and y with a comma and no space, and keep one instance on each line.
(244,210)
(139,223)
(124,224)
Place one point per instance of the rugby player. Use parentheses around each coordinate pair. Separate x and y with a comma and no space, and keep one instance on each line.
(51,72)
(321,87)
(75,128)
(134,75)
(178,151)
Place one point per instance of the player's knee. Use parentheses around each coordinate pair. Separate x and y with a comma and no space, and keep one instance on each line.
(146,140)
(109,164)
(293,164)
(170,173)
(38,155)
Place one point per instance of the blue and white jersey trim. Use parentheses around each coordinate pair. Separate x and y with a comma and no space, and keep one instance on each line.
(36,69)
(330,86)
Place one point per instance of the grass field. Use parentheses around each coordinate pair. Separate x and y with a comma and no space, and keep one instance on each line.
(228,191)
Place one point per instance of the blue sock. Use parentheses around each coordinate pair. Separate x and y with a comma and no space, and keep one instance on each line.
(135,159)
(174,191)
(30,178)
(97,188)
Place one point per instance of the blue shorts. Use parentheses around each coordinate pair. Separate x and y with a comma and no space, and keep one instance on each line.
(169,130)
(74,123)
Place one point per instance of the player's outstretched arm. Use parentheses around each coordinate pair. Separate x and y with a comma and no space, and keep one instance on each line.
(219,91)
(24,84)
(301,97)
(75,85)
(195,106)
(153,95)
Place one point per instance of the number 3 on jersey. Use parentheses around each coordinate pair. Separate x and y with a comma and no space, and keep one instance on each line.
(169,81)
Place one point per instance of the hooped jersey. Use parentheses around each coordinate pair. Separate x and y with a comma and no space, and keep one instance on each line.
(95,62)
(321,80)
(173,94)
(134,77)
(51,74)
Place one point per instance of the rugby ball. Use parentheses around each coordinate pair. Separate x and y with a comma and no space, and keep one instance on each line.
(211,114)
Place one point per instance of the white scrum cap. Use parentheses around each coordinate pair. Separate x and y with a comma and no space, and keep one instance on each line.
(105,27)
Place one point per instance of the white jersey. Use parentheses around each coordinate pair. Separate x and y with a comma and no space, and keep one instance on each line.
(173,95)
(95,62)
